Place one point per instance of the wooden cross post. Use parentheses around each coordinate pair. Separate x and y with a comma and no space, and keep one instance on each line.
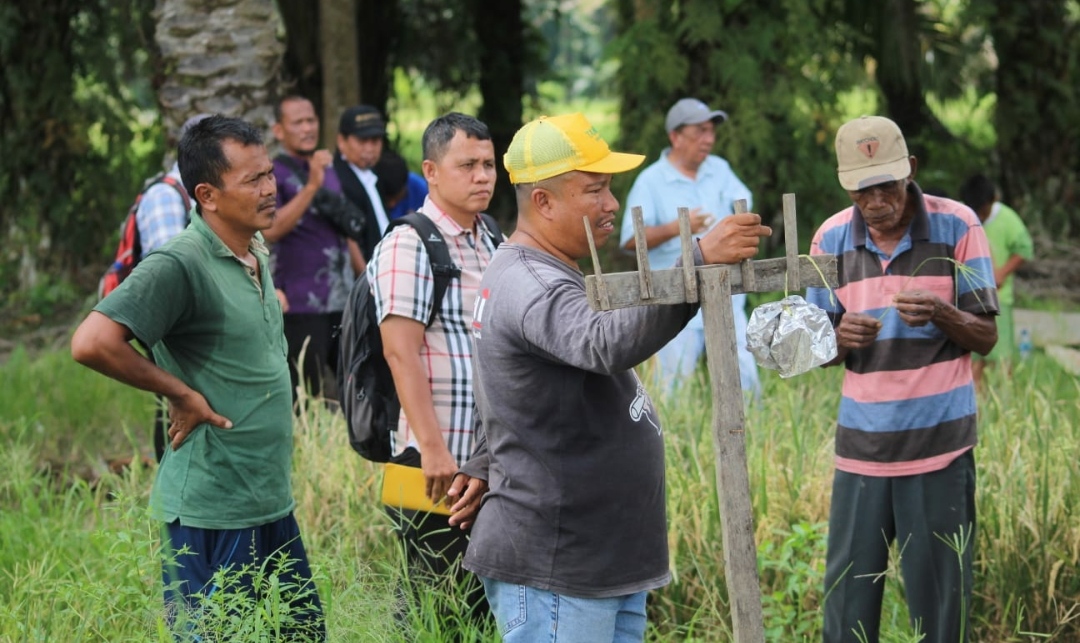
(713,286)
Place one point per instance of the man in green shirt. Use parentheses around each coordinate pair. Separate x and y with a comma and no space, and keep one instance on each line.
(1010,247)
(205,304)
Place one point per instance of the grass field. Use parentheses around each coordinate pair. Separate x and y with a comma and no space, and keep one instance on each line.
(78,556)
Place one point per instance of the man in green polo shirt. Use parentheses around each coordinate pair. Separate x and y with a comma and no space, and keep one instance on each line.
(1010,247)
(205,304)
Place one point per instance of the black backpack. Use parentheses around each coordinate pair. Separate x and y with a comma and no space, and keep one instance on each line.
(365,384)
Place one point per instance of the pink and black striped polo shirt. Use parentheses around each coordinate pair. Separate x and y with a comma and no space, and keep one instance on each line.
(908,401)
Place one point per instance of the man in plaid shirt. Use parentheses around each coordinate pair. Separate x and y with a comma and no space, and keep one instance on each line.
(161,214)
(432,365)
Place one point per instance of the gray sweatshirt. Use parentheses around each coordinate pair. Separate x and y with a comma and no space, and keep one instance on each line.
(571,445)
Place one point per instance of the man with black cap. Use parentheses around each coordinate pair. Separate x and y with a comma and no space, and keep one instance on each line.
(689,175)
(916,299)
(313,262)
(361,132)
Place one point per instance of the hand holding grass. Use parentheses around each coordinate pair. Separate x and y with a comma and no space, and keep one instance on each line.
(918,307)
(973,332)
(857,330)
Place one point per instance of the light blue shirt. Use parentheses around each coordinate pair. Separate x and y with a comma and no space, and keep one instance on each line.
(161,214)
(660,190)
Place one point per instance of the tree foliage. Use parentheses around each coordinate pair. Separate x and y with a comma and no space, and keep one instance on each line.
(73,129)
(781,67)
(77,92)
(1038,113)
(775,66)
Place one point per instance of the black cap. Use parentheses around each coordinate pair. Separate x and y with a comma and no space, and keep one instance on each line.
(362,121)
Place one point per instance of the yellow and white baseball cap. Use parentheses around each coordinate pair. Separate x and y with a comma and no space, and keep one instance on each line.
(554,145)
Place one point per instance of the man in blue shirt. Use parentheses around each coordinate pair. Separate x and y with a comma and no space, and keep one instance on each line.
(688,175)
(401,191)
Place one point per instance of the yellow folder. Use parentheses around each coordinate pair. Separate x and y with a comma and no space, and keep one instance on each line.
(403,487)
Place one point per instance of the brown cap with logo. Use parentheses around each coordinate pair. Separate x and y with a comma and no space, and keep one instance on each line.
(870,150)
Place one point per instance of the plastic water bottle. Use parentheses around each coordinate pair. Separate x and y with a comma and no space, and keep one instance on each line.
(1025,343)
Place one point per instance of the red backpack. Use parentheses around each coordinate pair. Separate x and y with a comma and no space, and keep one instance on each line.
(129,252)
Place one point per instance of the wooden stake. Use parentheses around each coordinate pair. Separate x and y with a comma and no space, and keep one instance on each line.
(747,265)
(642,250)
(732,479)
(791,243)
(601,286)
(686,239)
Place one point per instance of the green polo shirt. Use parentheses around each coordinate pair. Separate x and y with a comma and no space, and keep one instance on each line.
(209,324)
(1008,236)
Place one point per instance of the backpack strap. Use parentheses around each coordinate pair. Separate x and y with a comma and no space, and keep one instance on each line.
(442,266)
(494,232)
(179,187)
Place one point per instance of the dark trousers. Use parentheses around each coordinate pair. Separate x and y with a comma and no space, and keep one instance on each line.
(433,554)
(321,350)
(194,556)
(867,515)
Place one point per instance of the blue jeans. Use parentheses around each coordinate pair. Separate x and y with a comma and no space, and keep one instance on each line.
(529,615)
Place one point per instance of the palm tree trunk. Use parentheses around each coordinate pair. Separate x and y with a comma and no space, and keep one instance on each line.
(219,56)
(340,63)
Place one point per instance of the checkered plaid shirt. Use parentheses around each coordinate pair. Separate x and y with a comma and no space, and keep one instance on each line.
(161,214)
(402,284)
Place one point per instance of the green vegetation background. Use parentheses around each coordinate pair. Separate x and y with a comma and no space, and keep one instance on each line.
(78,554)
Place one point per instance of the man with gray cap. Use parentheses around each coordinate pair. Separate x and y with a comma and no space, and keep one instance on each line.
(916,298)
(688,175)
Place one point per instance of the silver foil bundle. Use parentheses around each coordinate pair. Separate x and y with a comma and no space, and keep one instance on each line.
(791,336)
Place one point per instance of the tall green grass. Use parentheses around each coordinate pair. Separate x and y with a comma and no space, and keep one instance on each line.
(79,561)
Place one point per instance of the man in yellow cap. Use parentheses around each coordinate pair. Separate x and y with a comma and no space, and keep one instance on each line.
(907,320)
(572,532)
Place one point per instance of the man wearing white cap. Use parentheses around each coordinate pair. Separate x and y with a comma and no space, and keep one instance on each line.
(907,319)
(572,534)
(688,175)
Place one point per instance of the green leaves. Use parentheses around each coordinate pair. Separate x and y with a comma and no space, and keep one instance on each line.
(73,143)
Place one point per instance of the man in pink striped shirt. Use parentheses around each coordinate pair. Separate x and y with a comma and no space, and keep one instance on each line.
(916,297)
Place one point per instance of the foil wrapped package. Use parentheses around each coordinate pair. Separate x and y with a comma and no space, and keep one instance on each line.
(791,336)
